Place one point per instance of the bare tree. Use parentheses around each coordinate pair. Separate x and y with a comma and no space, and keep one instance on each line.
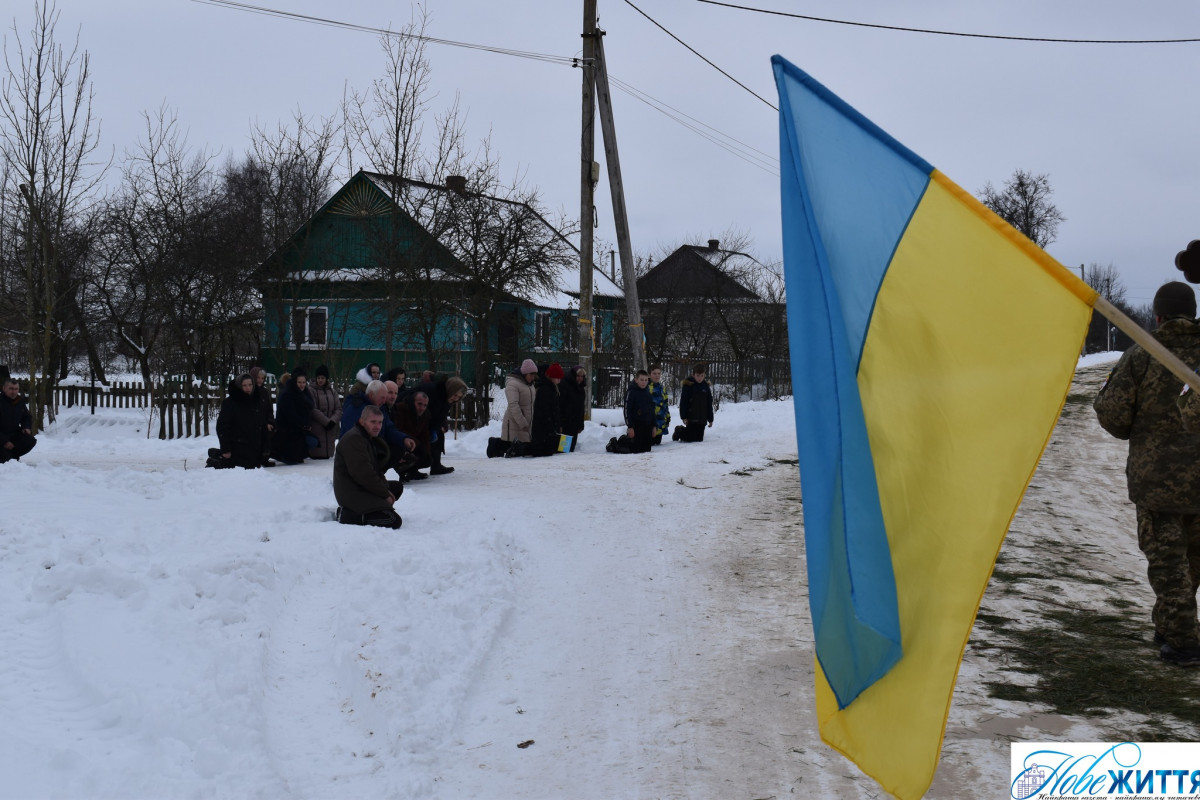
(47,140)
(1102,335)
(163,186)
(507,247)
(181,242)
(294,166)
(287,178)
(385,124)
(386,130)
(1024,203)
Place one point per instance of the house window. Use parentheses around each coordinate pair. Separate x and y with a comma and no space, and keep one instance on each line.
(571,334)
(541,330)
(597,333)
(308,327)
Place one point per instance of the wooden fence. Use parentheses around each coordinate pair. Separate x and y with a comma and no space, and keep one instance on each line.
(184,410)
(732,381)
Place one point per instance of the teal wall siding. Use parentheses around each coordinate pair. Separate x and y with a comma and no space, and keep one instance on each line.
(332,263)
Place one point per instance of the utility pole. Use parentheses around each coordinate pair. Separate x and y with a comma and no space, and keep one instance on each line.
(587,205)
(620,217)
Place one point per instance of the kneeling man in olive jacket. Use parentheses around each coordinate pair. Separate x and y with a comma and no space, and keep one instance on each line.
(364,495)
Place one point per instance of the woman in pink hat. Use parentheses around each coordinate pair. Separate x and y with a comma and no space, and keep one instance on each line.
(518,390)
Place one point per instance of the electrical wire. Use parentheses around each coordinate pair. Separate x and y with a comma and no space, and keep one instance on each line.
(333,23)
(757,158)
(751,155)
(946,33)
(702,58)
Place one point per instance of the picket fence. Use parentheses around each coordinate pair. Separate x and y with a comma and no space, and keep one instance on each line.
(181,410)
(185,410)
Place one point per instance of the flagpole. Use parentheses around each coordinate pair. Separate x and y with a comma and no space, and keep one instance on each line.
(1152,346)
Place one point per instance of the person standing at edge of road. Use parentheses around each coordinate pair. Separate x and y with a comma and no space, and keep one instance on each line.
(695,407)
(1138,403)
(364,496)
(16,424)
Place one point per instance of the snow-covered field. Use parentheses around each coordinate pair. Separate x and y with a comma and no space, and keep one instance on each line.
(586,626)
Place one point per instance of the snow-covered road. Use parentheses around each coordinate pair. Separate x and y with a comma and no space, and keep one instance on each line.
(639,623)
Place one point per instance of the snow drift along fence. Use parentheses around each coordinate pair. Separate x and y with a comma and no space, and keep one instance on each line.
(182,409)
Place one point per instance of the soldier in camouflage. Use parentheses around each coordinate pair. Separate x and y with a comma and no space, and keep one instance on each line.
(1189,409)
(1138,403)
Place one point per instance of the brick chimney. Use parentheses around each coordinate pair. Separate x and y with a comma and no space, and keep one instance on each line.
(714,244)
(457,183)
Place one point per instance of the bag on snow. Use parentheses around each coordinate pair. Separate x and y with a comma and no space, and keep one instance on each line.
(566,444)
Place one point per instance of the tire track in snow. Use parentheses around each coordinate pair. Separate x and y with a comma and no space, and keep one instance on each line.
(38,687)
(311,736)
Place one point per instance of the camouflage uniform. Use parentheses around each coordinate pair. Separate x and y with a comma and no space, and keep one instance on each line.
(1189,410)
(1138,403)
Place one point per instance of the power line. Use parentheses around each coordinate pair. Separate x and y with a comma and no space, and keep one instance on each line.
(726,142)
(333,23)
(705,60)
(751,155)
(947,33)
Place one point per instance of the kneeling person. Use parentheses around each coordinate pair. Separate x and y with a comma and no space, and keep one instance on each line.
(16,424)
(364,495)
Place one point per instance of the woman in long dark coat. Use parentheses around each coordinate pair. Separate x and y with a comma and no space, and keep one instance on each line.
(327,414)
(572,393)
(242,425)
(293,420)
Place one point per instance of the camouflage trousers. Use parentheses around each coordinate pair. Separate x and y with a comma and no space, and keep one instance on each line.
(1171,544)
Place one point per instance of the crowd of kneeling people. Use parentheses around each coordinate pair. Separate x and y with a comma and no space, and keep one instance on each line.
(546,410)
(384,424)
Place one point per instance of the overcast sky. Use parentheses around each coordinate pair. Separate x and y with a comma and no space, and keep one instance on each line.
(1113,126)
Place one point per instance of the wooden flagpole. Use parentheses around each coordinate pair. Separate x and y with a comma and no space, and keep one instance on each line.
(1152,346)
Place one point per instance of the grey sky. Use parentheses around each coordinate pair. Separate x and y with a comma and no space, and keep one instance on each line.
(1110,124)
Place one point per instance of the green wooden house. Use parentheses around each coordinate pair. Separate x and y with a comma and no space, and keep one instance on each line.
(405,273)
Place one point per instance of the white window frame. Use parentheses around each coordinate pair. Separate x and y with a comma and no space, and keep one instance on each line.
(307,344)
(571,332)
(542,336)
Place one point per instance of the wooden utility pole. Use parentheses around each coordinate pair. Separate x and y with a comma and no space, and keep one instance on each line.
(587,206)
(633,310)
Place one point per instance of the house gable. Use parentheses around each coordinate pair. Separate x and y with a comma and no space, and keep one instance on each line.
(329,296)
(351,235)
(695,272)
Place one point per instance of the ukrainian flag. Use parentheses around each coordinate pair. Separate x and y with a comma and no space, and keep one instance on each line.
(932,349)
